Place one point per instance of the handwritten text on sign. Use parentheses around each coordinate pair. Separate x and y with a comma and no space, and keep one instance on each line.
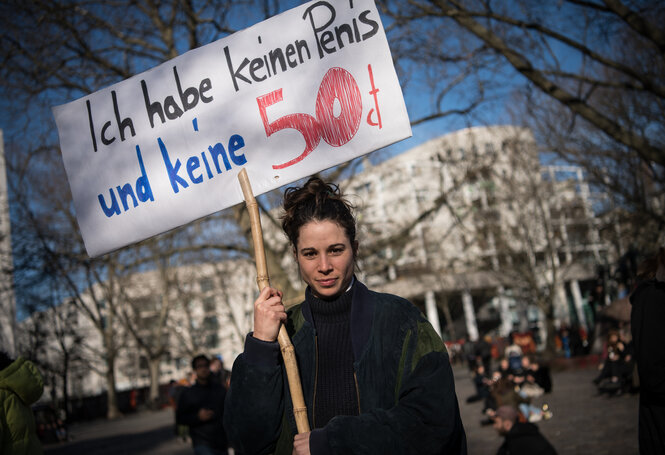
(298,93)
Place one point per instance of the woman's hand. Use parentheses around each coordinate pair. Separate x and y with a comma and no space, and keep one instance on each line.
(301,444)
(269,312)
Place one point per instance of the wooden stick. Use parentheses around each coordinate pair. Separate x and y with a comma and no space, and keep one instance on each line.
(263,280)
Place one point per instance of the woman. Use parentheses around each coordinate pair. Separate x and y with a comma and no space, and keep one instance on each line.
(376,377)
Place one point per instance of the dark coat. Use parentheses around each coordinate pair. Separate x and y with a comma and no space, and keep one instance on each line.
(525,439)
(209,433)
(405,386)
(647,327)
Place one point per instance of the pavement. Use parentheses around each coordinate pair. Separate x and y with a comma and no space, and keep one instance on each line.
(582,423)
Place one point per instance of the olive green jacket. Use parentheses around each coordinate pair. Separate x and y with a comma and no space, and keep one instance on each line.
(21,385)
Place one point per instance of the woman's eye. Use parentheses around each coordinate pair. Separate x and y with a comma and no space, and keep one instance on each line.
(337,250)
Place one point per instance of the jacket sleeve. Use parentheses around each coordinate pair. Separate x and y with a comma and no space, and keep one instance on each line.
(186,413)
(254,404)
(17,426)
(425,418)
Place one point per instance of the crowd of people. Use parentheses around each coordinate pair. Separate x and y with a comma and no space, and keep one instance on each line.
(517,379)
(507,394)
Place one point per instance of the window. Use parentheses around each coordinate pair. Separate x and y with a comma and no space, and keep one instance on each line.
(212,341)
(150,321)
(206,284)
(210,323)
(209,304)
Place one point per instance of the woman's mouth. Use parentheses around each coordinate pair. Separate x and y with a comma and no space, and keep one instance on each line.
(327,282)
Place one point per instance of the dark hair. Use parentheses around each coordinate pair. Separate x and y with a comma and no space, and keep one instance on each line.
(653,267)
(316,200)
(199,357)
(5,360)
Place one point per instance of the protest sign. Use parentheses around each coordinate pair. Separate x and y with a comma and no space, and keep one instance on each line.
(300,92)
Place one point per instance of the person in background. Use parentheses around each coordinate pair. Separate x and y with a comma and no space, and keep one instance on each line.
(611,376)
(513,353)
(484,352)
(528,386)
(648,330)
(482,383)
(376,376)
(520,438)
(541,375)
(469,352)
(21,385)
(504,368)
(201,408)
(218,373)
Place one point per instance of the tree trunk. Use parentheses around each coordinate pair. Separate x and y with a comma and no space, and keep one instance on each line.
(112,412)
(65,385)
(550,339)
(153,365)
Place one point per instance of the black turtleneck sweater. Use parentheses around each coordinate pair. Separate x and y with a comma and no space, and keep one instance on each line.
(335,392)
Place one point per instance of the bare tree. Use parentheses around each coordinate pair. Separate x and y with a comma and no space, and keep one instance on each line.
(588,75)
(51,337)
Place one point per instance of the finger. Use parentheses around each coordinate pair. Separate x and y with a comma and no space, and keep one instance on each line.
(268,294)
(274,300)
(264,294)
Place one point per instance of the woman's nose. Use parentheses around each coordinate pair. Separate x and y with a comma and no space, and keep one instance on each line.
(324,264)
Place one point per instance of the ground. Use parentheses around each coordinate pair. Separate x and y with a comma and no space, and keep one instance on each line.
(583,423)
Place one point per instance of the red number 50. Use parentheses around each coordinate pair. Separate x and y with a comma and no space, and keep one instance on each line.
(337,84)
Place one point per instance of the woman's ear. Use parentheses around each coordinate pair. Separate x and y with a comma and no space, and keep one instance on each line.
(355,249)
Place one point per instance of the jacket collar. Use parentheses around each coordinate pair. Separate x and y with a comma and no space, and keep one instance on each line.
(362,312)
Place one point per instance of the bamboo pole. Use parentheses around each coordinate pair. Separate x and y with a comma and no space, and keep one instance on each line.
(263,280)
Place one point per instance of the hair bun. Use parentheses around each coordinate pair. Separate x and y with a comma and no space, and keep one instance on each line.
(316,200)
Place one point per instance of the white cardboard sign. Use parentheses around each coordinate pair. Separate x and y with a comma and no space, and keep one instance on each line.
(300,92)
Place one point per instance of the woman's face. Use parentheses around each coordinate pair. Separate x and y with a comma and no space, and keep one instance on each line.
(325,257)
